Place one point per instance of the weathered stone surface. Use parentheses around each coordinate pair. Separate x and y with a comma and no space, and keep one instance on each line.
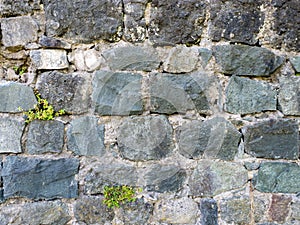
(296,63)
(18,31)
(86,59)
(275,139)
(15,95)
(289,95)
(260,204)
(50,42)
(295,208)
(36,213)
(65,91)
(245,96)
(145,138)
(176,22)
(39,178)
(49,59)
(91,210)
(45,137)
(164,178)
(280,207)
(10,135)
(18,7)
(209,212)
(240,60)
(278,177)
(236,21)
(117,93)
(86,137)
(211,178)
(131,58)
(205,55)
(84,20)
(214,138)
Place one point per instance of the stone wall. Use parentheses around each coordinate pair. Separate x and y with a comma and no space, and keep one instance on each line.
(196,102)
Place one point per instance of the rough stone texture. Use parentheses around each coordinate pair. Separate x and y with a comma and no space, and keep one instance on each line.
(295,208)
(145,138)
(45,137)
(49,59)
(83,59)
(274,139)
(91,210)
(10,135)
(209,212)
(289,95)
(86,137)
(18,7)
(236,21)
(65,91)
(205,55)
(84,20)
(279,209)
(164,178)
(39,178)
(132,58)
(239,60)
(176,211)
(210,178)
(260,204)
(244,96)
(168,18)
(278,177)
(15,95)
(214,138)
(296,63)
(47,213)
(18,31)
(117,93)
(50,42)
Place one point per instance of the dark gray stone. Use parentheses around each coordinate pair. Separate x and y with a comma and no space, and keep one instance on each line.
(209,212)
(278,177)
(176,22)
(15,95)
(39,178)
(145,138)
(236,21)
(164,178)
(86,137)
(84,20)
(131,58)
(11,131)
(205,55)
(117,93)
(50,42)
(45,136)
(274,139)
(240,60)
(244,96)
(214,138)
(211,178)
(1,195)
(18,7)
(91,210)
(70,92)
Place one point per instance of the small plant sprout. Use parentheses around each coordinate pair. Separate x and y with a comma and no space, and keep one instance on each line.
(20,70)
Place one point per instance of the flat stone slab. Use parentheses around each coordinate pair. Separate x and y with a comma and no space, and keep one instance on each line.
(50,42)
(37,178)
(49,59)
(273,139)
(209,211)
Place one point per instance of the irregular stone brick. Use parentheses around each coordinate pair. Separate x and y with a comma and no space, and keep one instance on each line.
(279,209)
(245,96)
(239,60)
(11,131)
(84,20)
(145,138)
(209,212)
(15,97)
(274,139)
(211,178)
(278,177)
(39,178)
(86,60)
(131,58)
(49,59)
(70,92)
(18,7)
(50,42)
(295,207)
(205,56)
(117,93)
(176,22)
(86,137)
(296,63)
(261,203)
(45,137)
(18,31)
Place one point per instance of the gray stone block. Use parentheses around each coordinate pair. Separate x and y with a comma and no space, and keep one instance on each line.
(273,139)
(37,178)
(279,209)
(49,59)
(209,212)
(14,96)
(50,42)
(18,7)
(205,55)
(145,138)
(296,63)
(246,60)
(86,137)
(45,137)
(117,93)
(244,96)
